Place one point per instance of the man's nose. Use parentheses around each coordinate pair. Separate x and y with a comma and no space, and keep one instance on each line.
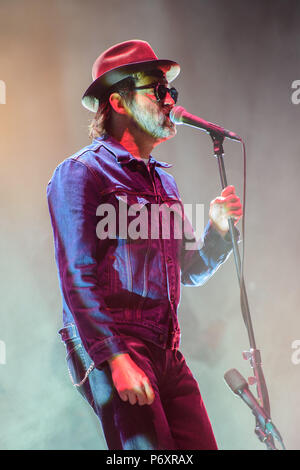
(168,99)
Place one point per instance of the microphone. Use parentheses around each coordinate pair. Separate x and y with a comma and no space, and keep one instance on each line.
(238,384)
(179,115)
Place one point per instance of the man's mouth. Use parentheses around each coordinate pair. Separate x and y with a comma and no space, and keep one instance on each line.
(167,116)
(167,111)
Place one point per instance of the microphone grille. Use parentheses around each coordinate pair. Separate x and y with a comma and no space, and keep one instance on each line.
(176,114)
(235,380)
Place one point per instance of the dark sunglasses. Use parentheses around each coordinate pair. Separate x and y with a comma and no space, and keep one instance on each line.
(160,91)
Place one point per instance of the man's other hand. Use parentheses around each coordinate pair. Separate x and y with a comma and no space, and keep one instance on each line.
(223,207)
(130,381)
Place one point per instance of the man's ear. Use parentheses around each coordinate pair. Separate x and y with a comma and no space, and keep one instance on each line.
(117,104)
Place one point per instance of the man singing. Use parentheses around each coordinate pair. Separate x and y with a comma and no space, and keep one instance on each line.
(121,291)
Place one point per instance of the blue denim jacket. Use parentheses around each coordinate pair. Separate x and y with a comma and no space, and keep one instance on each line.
(121,286)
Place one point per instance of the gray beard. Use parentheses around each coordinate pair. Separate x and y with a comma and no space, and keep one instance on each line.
(157,127)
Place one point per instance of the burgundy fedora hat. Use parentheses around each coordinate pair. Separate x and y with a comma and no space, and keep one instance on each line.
(118,62)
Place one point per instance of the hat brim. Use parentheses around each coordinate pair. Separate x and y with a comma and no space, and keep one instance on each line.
(94,93)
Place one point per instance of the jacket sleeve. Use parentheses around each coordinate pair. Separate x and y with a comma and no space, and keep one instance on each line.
(206,256)
(73,196)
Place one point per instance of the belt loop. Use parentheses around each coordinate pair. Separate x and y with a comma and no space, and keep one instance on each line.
(69,332)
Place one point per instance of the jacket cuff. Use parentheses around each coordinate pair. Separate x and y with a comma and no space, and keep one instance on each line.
(107,348)
(236,233)
(212,237)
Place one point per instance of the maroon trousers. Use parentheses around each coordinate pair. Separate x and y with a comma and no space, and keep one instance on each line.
(177,419)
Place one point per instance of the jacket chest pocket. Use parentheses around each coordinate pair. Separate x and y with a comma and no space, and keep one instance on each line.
(133,217)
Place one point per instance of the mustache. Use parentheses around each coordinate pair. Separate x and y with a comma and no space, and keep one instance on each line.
(166,109)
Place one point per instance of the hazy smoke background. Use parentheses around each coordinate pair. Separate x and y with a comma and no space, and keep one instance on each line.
(239,59)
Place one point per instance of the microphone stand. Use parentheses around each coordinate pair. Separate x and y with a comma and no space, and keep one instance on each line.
(253,355)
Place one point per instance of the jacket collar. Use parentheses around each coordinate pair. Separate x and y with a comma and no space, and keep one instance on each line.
(122,155)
